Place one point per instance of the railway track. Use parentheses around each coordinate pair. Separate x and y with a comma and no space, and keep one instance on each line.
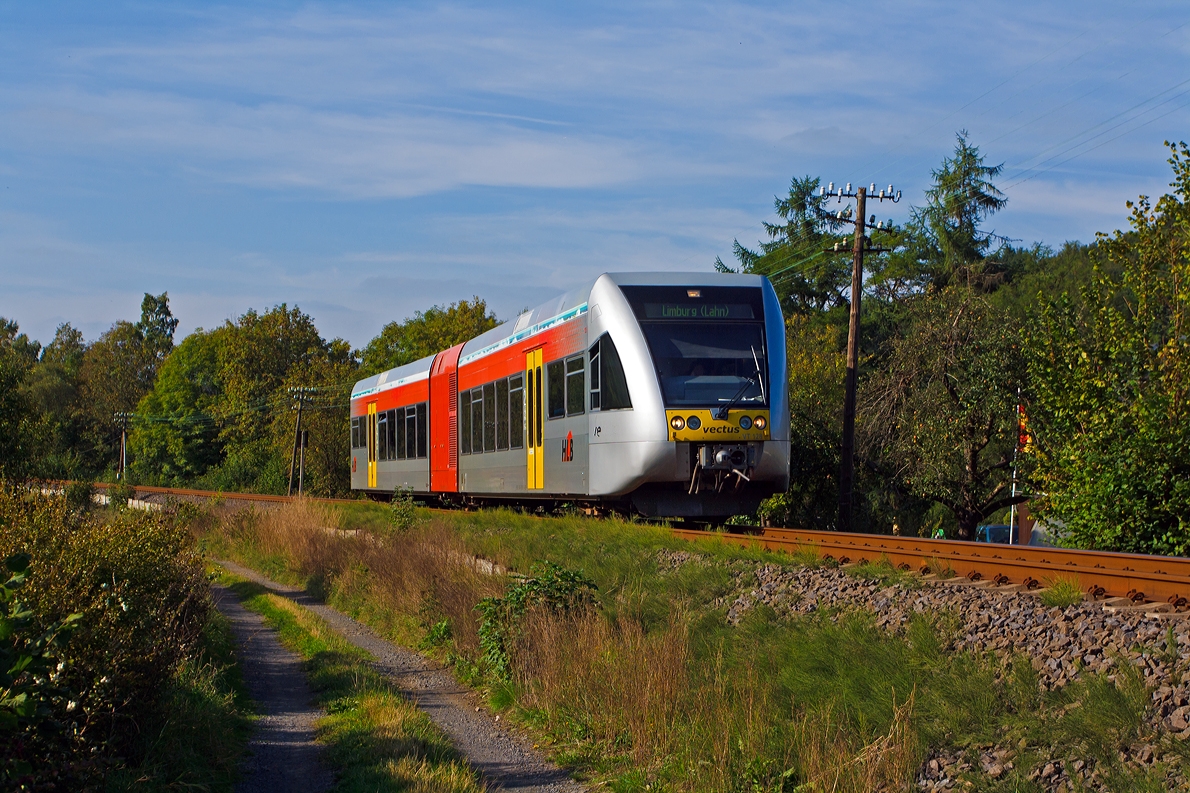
(1124,577)
(1118,578)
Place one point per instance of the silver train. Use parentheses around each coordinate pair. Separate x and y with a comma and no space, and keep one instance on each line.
(662,394)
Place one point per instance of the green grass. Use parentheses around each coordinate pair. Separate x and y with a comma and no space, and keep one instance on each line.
(202,730)
(377,740)
(1063,591)
(774,703)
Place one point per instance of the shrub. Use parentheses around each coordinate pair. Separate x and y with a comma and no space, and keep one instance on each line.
(403,509)
(80,496)
(30,689)
(143,598)
(552,589)
(120,493)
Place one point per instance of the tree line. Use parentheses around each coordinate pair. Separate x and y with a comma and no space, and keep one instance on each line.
(983,363)
(981,360)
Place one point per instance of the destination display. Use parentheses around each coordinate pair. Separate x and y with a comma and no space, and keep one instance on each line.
(698,311)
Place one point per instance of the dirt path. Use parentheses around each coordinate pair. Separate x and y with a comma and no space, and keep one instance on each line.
(504,759)
(284,756)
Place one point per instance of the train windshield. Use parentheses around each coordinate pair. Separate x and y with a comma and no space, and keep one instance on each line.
(707,344)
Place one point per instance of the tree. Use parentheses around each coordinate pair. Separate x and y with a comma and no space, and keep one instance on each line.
(1111,421)
(963,196)
(808,281)
(157,325)
(426,333)
(940,417)
(14,413)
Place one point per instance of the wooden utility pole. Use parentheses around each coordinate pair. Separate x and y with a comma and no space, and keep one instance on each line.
(847,466)
(297,435)
(847,463)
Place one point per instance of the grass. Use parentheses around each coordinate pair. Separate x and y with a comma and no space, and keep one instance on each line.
(1063,591)
(377,740)
(652,689)
(203,727)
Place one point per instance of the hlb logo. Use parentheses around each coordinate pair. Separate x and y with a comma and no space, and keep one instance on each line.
(568,448)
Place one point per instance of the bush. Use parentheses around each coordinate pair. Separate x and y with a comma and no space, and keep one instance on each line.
(120,493)
(30,687)
(144,601)
(404,510)
(80,496)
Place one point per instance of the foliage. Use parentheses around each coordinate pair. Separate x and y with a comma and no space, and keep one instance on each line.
(143,600)
(79,496)
(550,587)
(14,415)
(941,415)
(30,679)
(426,333)
(1111,422)
(403,510)
(1063,591)
(963,196)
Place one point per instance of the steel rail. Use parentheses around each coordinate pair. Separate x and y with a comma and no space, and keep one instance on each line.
(1101,574)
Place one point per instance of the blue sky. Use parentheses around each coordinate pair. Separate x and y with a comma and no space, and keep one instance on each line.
(363,161)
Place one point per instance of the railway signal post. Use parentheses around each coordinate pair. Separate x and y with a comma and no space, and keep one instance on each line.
(847,464)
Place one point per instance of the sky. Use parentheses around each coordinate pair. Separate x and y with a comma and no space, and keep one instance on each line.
(367,160)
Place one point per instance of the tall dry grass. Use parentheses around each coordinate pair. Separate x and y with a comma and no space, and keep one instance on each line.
(424,573)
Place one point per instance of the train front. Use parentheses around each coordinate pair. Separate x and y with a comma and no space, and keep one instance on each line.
(707,359)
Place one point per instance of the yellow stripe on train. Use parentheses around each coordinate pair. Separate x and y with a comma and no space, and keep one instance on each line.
(699,424)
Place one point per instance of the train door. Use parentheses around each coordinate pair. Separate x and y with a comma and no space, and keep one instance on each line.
(371,444)
(534,421)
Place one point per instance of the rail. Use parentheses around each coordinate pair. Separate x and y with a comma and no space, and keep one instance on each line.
(1101,574)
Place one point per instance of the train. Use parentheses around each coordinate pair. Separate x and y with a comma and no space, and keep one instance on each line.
(657,394)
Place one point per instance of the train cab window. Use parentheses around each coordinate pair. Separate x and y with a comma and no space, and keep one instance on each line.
(609,386)
(556,381)
(502,414)
(465,422)
(516,411)
(576,389)
(489,417)
(423,434)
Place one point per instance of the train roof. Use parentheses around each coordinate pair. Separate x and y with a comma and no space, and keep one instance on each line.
(553,312)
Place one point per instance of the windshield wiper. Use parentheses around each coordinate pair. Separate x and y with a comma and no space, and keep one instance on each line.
(721,413)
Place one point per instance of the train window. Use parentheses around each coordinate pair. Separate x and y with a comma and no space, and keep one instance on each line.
(398,433)
(382,436)
(423,435)
(489,417)
(392,435)
(556,375)
(609,387)
(502,414)
(477,421)
(410,433)
(465,422)
(355,433)
(576,389)
(516,411)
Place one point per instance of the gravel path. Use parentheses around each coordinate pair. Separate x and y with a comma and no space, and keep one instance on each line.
(505,760)
(284,755)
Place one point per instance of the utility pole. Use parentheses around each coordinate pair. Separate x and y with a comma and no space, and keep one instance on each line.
(122,417)
(305,439)
(300,394)
(847,464)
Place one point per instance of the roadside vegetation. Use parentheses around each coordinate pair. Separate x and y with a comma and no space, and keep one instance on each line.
(117,673)
(608,641)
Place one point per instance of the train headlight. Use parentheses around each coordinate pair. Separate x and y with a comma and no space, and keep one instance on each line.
(677,422)
(694,422)
(745,423)
(759,422)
